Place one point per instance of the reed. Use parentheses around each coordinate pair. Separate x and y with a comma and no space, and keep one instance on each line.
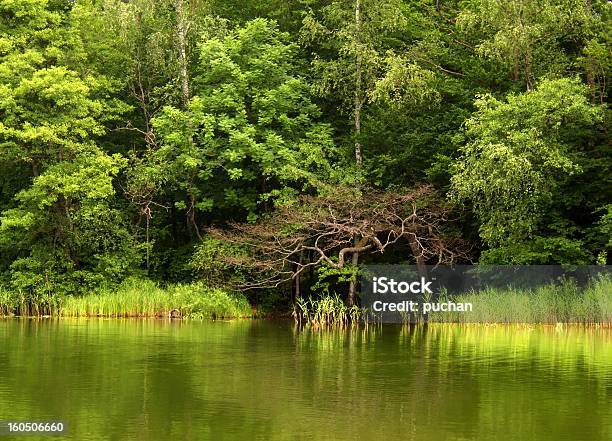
(18,303)
(139,298)
(560,303)
(6,302)
(133,298)
(329,310)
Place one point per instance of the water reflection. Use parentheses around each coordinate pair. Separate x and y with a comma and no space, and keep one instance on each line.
(155,379)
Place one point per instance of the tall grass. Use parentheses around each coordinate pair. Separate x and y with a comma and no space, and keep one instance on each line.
(19,303)
(145,299)
(135,298)
(561,303)
(6,302)
(327,310)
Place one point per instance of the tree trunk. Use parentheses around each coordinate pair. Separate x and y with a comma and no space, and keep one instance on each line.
(297,281)
(184,80)
(358,81)
(357,115)
(191,216)
(360,245)
(147,212)
(352,294)
(297,288)
(181,32)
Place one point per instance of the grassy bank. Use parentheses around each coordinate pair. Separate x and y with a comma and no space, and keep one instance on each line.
(135,298)
(566,303)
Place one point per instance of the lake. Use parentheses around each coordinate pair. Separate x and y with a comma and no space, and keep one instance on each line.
(266,380)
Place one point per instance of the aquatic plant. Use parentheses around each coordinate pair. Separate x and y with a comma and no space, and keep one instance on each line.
(326,310)
(6,302)
(19,303)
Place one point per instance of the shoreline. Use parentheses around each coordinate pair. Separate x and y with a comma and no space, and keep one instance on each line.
(601,325)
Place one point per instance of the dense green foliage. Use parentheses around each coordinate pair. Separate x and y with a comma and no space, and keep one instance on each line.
(249,133)
(521,167)
(129,128)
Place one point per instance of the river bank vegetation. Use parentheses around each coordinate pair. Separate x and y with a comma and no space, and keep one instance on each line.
(135,298)
(272,147)
(549,304)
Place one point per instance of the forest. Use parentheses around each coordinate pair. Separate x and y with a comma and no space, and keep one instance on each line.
(271,147)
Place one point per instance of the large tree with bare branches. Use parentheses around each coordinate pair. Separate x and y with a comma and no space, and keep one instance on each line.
(326,231)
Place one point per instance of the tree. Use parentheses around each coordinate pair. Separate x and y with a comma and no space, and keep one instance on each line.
(348,40)
(51,117)
(533,39)
(359,57)
(250,134)
(517,168)
(65,235)
(320,232)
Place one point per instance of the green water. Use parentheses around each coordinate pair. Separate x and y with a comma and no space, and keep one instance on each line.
(260,380)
